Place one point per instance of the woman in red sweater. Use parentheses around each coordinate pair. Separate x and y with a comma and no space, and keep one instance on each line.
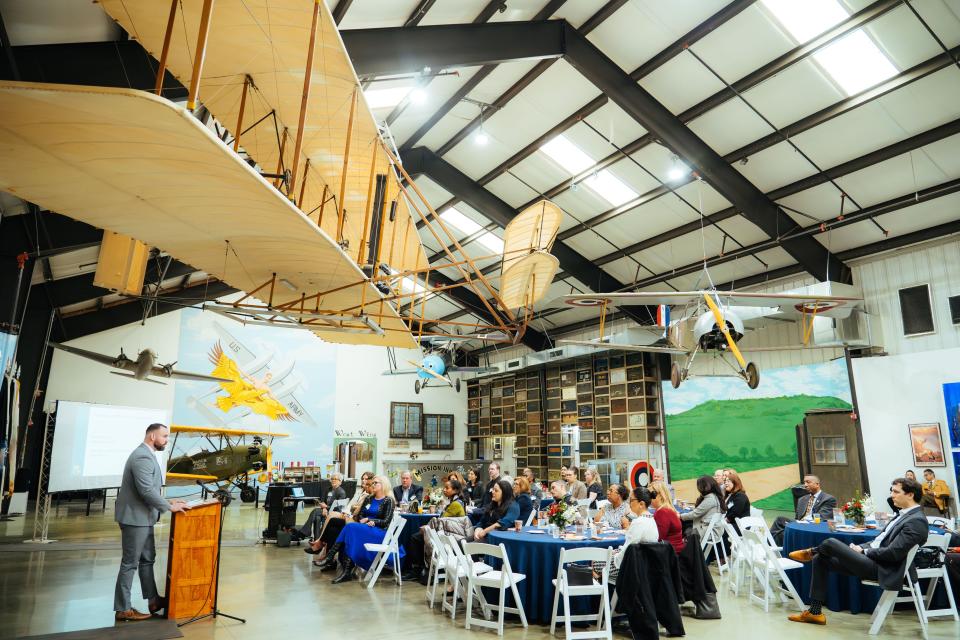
(666,517)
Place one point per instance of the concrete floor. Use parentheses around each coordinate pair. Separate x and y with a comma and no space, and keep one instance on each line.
(43,590)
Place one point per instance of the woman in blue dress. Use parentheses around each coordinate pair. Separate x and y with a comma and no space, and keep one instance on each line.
(371,525)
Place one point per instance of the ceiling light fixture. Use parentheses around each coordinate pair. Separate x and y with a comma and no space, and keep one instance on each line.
(678,170)
(418,96)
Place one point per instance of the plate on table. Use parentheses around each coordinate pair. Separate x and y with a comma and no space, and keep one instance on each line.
(573,537)
(536,531)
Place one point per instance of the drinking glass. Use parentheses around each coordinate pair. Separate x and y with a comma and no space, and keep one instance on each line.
(579,528)
(554,531)
(517,525)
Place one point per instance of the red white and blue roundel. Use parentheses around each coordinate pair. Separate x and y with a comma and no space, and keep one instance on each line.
(641,473)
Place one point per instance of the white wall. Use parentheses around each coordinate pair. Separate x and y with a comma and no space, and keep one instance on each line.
(75,378)
(892,392)
(364,397)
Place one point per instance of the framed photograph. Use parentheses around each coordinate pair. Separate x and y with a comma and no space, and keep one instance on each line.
(927,445)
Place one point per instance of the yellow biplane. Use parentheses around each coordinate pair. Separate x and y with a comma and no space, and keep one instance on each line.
(231,459)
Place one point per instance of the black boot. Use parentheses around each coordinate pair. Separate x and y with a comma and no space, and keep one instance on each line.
(346,570)
(330,561)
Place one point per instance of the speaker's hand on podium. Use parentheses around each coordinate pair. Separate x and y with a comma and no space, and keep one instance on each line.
(178,506)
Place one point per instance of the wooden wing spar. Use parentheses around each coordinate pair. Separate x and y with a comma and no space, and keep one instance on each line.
(528,267)
(188,430)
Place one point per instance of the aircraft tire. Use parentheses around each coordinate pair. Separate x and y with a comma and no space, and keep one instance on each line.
(416,386)
(223,496)
(676,377)
(247,493)
(753,375)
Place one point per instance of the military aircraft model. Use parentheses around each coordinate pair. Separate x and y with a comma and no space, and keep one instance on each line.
(233,461)
(141,368)
(440,360)
(717,319)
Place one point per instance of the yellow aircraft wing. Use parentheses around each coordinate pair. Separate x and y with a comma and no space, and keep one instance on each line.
(189,478)
(216,431)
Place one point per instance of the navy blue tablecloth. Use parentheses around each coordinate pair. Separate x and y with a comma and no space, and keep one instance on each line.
(412,523)
(537,556)
(846,593)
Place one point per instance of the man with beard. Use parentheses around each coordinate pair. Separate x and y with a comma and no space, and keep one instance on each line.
(139,506)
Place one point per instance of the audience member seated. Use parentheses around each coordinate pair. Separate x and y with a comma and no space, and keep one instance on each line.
(658,477)
(335,522)
(614,515)
(643,528)
(594,488)
(719,477)
(521,494)
(936,493)
(576,488)
(311,528)
(815,503)
(909,475)
(455,508)
(493,472)
(474,488)
(406,491)
(665,515)
(501,513)
(464,492)
(738,504)
(536,491)
(375,516)
(558,490)
(710,502)
(884,559)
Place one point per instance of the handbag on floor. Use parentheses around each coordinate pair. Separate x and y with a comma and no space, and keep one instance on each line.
(708,608)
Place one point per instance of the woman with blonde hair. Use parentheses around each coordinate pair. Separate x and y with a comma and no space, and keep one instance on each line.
(668,522)
(594,489)
(374,517)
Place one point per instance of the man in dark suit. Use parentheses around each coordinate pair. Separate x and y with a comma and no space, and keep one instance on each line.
(884,559)
(138,507)
(406,491)
(816,502)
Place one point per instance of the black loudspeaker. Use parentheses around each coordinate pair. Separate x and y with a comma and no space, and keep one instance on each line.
(279,515)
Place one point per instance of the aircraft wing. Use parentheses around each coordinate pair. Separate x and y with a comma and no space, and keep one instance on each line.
(625,347)
(188,478)
(185,375)
(454,368)
(83,353)
(400,372)
(625,299)
(793,304)
(216,431)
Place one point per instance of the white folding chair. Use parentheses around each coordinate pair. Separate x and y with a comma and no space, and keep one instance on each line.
(501,580)
(438,564)
(756,513)
(533,512)
(770,570)
(935,574)
(455,574)
(890,598)
(389,548)
(739,561)
(760,525)
(713,538)
(563,589)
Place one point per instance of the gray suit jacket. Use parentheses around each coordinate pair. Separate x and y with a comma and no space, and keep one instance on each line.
(905,531)
(139,502)
(824,505)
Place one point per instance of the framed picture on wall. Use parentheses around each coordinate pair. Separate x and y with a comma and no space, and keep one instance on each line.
(927,445)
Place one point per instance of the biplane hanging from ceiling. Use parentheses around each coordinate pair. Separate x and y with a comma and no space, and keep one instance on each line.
(285,190)
(713,322)
(234,458)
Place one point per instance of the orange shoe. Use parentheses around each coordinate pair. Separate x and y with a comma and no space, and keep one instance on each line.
(808,617)
(802,555)
(131,615)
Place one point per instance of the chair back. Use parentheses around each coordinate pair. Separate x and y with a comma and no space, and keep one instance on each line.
(340,505)
(759,525)
(586,554)
(393,530)
(732,535)
(532,513)
(756,513)
(937,521)
(494,551)
(938,540)
(714,530)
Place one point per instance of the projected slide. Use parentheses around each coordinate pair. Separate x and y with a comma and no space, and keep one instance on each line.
(91,443)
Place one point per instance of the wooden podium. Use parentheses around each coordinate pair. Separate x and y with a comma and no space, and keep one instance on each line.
(192,560)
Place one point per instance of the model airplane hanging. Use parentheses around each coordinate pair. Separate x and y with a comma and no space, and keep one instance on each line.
(717,319)
(440,360)
(140,369)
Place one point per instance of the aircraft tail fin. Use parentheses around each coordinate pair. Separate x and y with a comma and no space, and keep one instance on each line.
(130,375)
(663,318)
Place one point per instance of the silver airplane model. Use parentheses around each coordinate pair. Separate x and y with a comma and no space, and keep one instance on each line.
(140,369)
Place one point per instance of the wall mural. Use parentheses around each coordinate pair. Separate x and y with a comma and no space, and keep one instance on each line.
(951,400)
(716,423)
(281,380)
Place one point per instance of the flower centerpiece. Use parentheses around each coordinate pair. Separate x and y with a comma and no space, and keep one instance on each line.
(561,514)
(432,500)
(856,509)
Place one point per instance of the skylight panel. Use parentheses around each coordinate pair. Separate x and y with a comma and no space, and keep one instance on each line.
(855,62)
(610,188)
(493,243)
(385,98)
(567,155)
(409,285)
(807,18)
(463,223)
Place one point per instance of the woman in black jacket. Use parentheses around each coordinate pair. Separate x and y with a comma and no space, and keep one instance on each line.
(738,504)
(475,488)
(374,517)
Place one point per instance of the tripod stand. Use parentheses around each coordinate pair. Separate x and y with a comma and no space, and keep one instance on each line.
(216,581)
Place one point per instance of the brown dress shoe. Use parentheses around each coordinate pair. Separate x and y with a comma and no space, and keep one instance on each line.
(131,615)
(808,617)
(802,555)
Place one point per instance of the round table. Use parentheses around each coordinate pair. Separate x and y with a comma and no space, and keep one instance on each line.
(537,556)
(411,524)
(845,592)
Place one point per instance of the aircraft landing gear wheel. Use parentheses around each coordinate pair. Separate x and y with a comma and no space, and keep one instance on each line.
(676,376)
(223,496)
(416,386)
(456,385)
(753,375)
(247,493)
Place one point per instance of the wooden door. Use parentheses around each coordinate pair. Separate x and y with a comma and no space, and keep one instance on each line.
(832,450)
